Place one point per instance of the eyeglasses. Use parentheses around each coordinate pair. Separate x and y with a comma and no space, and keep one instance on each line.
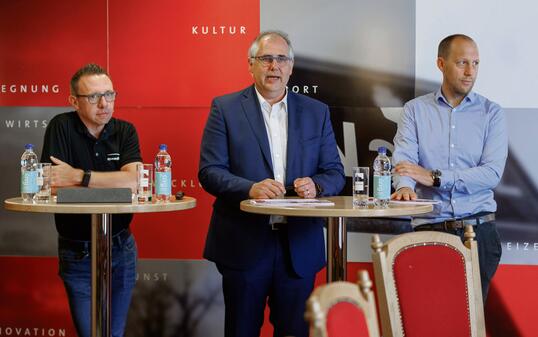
(109,96)
(267,60)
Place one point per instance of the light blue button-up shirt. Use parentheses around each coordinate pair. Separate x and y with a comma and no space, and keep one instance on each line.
(468,144)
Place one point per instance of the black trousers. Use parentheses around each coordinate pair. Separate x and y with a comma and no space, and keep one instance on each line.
(489,251)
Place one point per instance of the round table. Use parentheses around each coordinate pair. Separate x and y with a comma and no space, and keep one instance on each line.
(101,243)
(336,225)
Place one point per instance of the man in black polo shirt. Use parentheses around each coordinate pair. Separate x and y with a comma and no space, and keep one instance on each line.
(90,148)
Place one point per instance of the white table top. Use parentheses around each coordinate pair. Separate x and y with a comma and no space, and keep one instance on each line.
(343,207)
(16,204)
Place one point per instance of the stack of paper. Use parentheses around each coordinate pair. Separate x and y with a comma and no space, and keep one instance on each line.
(291,202)
(416,202)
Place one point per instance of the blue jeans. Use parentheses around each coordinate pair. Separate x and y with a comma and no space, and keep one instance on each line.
(75,271)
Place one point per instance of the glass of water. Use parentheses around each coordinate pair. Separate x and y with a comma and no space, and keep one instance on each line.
(361,183)
(144,188)
(43,183)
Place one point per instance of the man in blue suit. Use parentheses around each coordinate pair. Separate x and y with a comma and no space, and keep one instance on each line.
(262,142)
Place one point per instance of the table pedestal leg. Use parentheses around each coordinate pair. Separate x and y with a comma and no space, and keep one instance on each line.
(101,274)
(336,249)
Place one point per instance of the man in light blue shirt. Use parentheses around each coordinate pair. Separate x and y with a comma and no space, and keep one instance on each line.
(452,146)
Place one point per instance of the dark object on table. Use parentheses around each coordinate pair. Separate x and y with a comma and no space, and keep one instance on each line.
(93,195)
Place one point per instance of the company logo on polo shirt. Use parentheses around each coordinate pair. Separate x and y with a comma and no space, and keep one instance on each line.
(221,30)
(112,156)
(29,88)
(22,331)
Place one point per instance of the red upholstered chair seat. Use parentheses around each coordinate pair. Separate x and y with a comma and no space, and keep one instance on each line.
(432,291)
(345,319)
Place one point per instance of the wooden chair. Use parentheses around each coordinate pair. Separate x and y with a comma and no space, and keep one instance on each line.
(343,309)
(428,284)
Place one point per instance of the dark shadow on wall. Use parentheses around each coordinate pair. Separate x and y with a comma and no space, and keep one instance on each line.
(178,308)
(350,86)
(499,322)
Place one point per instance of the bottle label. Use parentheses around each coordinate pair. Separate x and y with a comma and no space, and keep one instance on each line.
(381,187)
(163,183)
(29,182)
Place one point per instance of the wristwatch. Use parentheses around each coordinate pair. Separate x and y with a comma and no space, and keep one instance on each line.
(436,176)
(86,178)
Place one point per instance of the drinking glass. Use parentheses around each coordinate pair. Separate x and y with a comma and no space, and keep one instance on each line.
(361,183)
(43,183)
(144,188)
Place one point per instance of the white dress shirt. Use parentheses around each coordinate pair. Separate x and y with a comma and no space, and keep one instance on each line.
(275,118)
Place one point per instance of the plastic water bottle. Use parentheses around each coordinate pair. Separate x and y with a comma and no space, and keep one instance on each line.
(28,173)
(382,178)
(163,174)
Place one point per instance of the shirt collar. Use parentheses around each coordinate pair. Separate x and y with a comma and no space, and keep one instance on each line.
(82,129)
(439,97)
(266,106)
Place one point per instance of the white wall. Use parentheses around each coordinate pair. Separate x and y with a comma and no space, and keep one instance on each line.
(506,35)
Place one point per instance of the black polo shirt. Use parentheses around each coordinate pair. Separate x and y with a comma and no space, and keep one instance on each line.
(68,139)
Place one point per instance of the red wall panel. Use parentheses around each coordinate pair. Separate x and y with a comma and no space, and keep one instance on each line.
(160,56)
(42,43)
(179,235)
(33,297)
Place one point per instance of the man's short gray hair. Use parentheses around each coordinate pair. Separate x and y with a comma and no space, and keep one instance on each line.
(255,46)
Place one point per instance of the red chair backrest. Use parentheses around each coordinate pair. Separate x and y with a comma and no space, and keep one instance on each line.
(432,291)
(345,319)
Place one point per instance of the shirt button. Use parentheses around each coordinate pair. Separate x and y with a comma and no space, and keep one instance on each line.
(453,201)
(452,164)
(453,126)
(96,154)
(451,145)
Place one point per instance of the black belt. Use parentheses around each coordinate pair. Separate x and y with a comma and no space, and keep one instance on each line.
(453,224)
(82,245)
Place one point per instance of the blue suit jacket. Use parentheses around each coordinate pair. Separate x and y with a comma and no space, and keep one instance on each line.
(235,154)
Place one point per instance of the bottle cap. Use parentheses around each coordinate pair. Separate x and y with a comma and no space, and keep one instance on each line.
(163,147)
(29,146)
(382,149)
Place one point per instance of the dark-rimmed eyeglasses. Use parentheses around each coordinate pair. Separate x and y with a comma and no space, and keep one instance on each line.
(109,96)
(267,60)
